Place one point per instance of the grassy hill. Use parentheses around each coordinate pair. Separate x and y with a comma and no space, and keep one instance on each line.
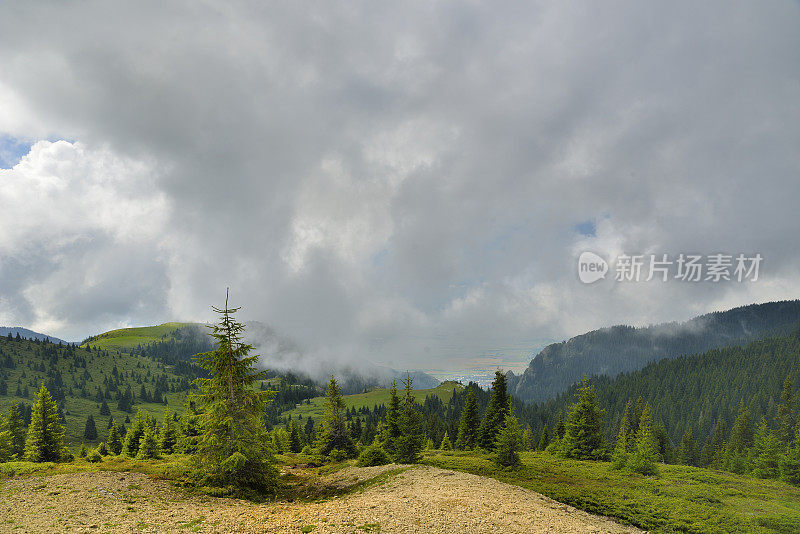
(314,407)
(126,339)
(75,374)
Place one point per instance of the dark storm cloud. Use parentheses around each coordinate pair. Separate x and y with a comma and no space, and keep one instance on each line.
(404,181)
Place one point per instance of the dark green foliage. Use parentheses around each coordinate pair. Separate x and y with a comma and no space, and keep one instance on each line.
(509,442)
(168,438)
(90,430)
(714,448)
(102,449)
(94,457)
(766,452)
(544,438)
(149,448)
(687,451)
(334,432)
(391,429)
(785,416)
(16,426)
(45,439)
(134,435)
(494,418)
(114,440)
(790,462)
(189,428)
(233,448)
(468,426)
(295,443)
(82,451)
(583,439)
(446,445)
(373,455)
(408,446)
(645,455)
(622,349)
(104,409)
(622,448)
(6,449)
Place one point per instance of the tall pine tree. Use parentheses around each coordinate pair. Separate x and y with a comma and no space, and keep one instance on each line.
(468,426)
(495,416)
(583,439)
(45,440)
(335,435)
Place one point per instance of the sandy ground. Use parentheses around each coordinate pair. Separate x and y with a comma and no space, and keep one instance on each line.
(421,499)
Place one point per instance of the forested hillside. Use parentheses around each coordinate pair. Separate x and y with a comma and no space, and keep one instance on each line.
(87,381)
(619,349)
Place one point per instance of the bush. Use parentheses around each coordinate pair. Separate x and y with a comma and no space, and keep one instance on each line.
(94,457)
(102,450)
(337,455)
(373,455)
(307,450)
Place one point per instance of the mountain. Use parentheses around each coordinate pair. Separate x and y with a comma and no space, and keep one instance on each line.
(619,349)
(29,334)
(692,392)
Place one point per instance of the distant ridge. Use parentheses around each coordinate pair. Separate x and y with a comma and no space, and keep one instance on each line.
(619,349)
(30,334)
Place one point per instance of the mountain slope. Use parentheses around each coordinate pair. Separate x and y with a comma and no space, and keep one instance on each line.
(693,391)
(28,334)
(619,349)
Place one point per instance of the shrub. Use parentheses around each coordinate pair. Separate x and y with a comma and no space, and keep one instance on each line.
(94,457)
(373,455)
(337,455)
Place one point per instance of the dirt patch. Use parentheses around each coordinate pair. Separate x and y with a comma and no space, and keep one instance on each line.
(421,499)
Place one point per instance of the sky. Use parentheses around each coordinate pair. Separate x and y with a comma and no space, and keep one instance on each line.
(407,183)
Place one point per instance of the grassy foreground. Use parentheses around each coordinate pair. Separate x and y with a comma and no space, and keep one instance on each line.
(681,499)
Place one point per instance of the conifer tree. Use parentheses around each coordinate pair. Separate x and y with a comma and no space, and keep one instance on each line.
(295,443)
(134,435)
(114,440)
(408,446)
(644,457)
(45,439)
(509,442)
(544,438)
(90,429)
(713,449)
(168,439)
(687,451)
(391,430)
(16,427)
(619,457)
(104,409)
(6,446)
(765,454)
(494,418)
(583,439)
(790,462)
(741,438)
(148,445)
(82,452)
(468,426)
(446,445)
(528,443)
(189,428)
(785,415)
(429,446)
(233,448)
(334,434)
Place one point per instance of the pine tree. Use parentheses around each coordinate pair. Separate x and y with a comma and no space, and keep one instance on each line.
(334,434)
(765,454)
(509,442)
(741,438)
(6,446)
(90,430)
(687,452)
(134,435)
(82,452)
(168,438)
(233,448)
(446,445)
(713,449)
(468,426)
(295,443)
(495,416)
(619,457)
(391,430)
(644,457)
(408,446)
(189,428)
(528,443)
(544,438)
(583,439)
(785,415)
(114,440)
(148,445)
(16,426)
(45,439)
(104,409)
(790,462)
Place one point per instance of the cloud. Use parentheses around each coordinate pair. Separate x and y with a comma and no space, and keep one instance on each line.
(396,183)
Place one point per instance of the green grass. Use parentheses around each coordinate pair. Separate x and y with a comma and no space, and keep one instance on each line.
(680,499)
(315,407)
(129,338)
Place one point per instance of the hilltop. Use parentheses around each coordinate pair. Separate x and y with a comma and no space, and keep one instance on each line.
(620,349)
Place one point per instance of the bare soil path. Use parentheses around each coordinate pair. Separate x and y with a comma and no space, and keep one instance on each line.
(420,499)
